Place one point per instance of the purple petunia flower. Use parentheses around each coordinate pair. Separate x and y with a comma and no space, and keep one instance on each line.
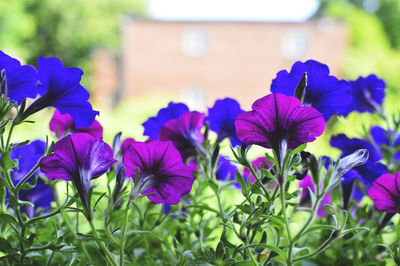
(22,81)
(324,92)
(60,87)
(226,170)
(162,172)
(305,198)
(185,133)
(276,118)
(368,94)
(41,195)
(153,125)
(388,138)
(62,124)
(126,143)
(78,157)
(385,193)
(256,165)
(222,119)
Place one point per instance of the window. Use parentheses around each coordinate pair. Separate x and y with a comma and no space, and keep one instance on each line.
(195,42)
(295,44)
(195,98)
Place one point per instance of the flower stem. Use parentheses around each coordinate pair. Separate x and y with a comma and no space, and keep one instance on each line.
(122,246)
(110,259)
(283,203)
(252,257)
(318,250)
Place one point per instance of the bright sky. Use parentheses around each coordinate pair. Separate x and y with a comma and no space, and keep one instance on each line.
(245,10)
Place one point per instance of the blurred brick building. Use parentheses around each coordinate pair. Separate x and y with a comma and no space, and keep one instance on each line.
(200,61)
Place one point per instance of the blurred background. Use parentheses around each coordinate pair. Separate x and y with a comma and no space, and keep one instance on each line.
(138,55)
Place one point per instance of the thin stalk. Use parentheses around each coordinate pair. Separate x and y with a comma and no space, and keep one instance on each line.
(9,136)
(310,219)
(259,181)
(285,219)
(122,246)
(23,180)
(318,250)
(34,219)
(50,258)
(67,221)
(110,259)
(252,257)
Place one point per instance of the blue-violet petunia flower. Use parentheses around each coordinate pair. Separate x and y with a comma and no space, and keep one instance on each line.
(305,197)
(278,118)
(80,158)
(371,169)
(222,119)
(62,124)
(185,133)
(60,88)
(324,92)
(41,195)
(22,81)
(226,170)
(153,125)
(366,172)
(388,138)
(163,176)
(385,193)
(368,94)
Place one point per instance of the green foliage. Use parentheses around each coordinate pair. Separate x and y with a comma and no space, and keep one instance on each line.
(69,30)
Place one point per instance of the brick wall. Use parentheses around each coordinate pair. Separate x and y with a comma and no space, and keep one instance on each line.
(239,60)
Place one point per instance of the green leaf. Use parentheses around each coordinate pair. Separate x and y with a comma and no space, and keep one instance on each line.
(29,186)
(27,203)
(265,246)
(220,250)
(388,250)
(239,178)
(276,220)
(246,208)
(300,90)
(6,218)
(225,240)
(5,246)
(301,251)
(214,157)
(320,227)
(256,189)
(6,162)
(300,148)
(213,186)
(203,207)
(244,263)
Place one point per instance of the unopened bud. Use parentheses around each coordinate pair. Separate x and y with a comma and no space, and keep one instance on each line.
(359,157)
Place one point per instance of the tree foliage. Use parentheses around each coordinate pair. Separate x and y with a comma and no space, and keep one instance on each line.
(69,30)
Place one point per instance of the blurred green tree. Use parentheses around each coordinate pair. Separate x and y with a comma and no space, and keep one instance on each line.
(69,29)
(371,45)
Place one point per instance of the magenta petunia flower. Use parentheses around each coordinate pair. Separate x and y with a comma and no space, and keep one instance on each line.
(385,193)
(78,157)
(185,133)
(126,143)
(160,161)
(276,118)
(305,197)
(61,124)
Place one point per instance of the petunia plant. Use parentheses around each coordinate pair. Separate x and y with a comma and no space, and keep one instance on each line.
(225,186)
